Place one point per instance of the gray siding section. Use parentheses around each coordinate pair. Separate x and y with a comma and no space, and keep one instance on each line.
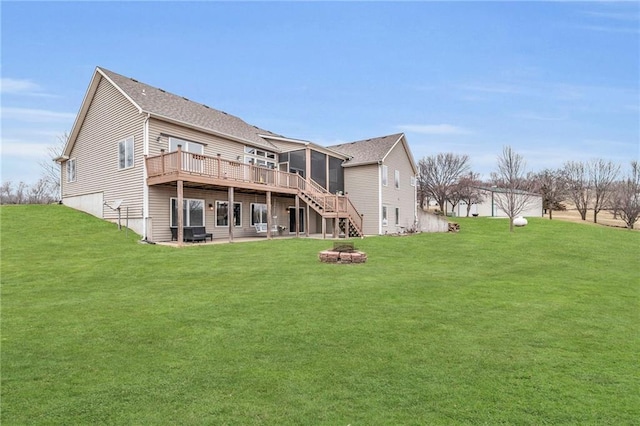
(160,206)
(361,184)
(403,197)
(110,119)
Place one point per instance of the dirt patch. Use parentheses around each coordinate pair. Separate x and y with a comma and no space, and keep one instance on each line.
(604,218)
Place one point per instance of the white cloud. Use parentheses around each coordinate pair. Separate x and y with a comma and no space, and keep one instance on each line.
(33,115)
(434,129)
(609,29)
(19,148)
(12,85)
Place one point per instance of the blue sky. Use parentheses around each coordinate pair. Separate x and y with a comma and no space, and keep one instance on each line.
(557,81)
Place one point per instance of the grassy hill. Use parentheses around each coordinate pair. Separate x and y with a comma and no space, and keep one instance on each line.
(480,327)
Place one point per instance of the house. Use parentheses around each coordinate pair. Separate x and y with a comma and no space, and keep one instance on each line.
(165,163)
(380,179)
(490,205)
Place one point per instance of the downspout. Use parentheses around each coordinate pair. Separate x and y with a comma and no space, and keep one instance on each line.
(145,187)
(379,198)
(60,186)
(415,200)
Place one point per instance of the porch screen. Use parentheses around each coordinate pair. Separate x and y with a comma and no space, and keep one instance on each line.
(336,175)
(319,168)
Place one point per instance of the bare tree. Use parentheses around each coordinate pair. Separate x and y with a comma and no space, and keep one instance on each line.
(576,176)
(19,196)
(469,190)
(50,169)
(6,192)
(551,185)
(627,196)
(439,173)
(515,189)
(40,193)
(602,175)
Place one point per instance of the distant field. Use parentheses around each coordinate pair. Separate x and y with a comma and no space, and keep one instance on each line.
(479,327)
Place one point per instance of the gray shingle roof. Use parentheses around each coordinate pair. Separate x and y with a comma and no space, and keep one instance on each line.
(367,151)
(162,103)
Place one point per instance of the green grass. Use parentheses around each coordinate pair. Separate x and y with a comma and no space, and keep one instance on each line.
(480,327)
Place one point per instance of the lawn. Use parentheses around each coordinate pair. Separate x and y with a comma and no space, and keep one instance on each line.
(479,327)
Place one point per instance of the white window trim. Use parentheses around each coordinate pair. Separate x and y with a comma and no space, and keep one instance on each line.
(126,143)
(185,219)
(227,203)
(396,177)
(385,175)
(260,157)
(397,212)
(384,216)
(71,177)
(251,213)
(187,146)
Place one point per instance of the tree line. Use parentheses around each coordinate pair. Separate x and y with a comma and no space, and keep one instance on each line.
(597,184)
(46,189)
(447,178)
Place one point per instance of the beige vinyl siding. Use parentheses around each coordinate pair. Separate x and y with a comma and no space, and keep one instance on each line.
(361,184)
(214,145)
(159,210)
(110,118)
(402,197)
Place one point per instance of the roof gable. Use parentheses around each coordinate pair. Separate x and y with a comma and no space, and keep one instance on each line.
(374,150)
(169,107)
(165,105)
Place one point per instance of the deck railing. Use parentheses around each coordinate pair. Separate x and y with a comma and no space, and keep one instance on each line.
(217,168)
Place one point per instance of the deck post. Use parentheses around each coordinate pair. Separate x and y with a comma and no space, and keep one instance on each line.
(162,160)
(308,227)
(297,216)
(336,230)
(179,160)
(230,213)
(180,210)
(324,228)
(269,220)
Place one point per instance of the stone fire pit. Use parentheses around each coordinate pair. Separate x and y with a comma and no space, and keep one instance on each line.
(343,252)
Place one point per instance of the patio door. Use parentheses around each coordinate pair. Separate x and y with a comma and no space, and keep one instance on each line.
(292,219)
(191,154)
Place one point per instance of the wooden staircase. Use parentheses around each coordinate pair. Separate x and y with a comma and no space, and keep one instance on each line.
(332,206)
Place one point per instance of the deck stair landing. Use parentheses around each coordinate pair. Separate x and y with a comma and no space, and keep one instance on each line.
(333,206)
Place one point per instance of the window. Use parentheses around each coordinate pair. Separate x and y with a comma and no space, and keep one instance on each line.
(222,214)
(191,155)
(188,146)
(385,175)
(397,216)
(258,213)
(397,179)
(71,170)
(384,215)
(125,153)
(259,157)
(192,212)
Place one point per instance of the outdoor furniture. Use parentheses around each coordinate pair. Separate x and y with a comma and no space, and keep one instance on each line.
(199,230)
(191,233)
(261,228)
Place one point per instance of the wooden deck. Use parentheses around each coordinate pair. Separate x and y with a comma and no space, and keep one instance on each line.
(182,167)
